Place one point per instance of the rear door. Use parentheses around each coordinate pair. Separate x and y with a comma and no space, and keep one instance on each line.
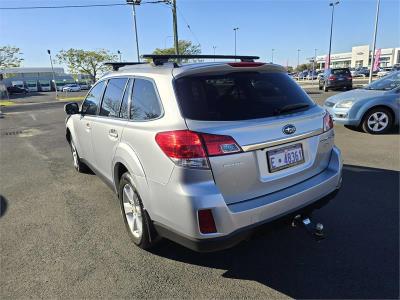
(263,112)
(110,123)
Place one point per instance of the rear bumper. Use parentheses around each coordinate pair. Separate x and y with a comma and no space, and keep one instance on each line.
(235,222)
(338,84)
(232,239)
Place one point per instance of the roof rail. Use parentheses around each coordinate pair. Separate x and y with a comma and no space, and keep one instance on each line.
(117,65)
(159,59)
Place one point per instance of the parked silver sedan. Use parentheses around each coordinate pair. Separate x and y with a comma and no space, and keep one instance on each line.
(375,107)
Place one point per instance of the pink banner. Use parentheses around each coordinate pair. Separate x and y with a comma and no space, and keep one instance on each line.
(377,59)
(327,62)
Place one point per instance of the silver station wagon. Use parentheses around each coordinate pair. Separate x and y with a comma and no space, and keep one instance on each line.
(203,153)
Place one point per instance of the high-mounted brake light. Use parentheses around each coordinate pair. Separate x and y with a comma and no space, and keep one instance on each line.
(328,121)
(190,149)
(246,64)
(206,221)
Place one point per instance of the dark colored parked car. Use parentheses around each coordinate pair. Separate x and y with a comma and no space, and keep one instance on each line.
(16,90)
(336,79)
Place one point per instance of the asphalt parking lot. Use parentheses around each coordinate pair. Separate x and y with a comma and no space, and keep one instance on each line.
(62,234)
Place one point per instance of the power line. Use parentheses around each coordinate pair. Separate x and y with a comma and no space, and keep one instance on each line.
(187,24)
(75,6)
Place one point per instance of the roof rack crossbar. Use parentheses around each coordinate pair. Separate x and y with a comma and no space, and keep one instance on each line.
(117,65)
(159,59)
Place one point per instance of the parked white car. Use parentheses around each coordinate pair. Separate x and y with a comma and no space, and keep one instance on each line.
(383,72)
(71,88)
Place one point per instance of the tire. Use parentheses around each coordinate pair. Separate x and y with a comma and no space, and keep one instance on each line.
(136,219)
(78,164)
(319,86)
(377,121)
(325,88)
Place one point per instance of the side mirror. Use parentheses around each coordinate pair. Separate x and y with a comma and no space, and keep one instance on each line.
(71,108)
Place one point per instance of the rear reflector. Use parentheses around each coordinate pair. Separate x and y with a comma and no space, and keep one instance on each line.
(246,64)
(328,121)
(190,149)
(206,221)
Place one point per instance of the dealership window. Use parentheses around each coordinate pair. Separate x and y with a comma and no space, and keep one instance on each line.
(359,63)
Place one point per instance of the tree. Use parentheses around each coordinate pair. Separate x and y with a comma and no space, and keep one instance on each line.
(9,57)
(86,62)
(185,47)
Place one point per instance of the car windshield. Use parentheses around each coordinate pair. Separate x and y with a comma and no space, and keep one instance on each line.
(387,83)
(239,96)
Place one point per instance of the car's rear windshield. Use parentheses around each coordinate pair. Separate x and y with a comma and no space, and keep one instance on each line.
(340,71)
(239,96)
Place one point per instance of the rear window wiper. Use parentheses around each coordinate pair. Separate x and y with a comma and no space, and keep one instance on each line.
(290,107)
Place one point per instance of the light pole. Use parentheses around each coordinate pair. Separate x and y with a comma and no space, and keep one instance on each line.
(119,53)
(332,4)
(313,66)
(235,30)
(52,70)
(298,63)
(374,44)
(134,3)
(214,47)
(272,55)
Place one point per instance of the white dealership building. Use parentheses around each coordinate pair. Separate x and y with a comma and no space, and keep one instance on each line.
(360,56)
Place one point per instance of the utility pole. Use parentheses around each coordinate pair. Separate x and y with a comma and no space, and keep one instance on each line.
(175,27)
(333,4)
(119,53)
(374,44)
(52,69)
(272,55)
(235,30)
(134,3)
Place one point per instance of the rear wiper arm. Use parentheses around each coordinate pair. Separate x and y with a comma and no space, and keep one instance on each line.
(291,107)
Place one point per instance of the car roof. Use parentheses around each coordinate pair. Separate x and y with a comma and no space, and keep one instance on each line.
(172,69)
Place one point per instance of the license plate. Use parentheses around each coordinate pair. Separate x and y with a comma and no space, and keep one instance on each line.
(285,157)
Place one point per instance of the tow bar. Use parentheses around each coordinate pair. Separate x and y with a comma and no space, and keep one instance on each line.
(316,230)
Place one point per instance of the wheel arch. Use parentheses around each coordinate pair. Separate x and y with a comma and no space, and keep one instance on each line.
(375,106)
(126,160)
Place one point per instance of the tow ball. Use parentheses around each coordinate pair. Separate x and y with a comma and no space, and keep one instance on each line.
(315,229)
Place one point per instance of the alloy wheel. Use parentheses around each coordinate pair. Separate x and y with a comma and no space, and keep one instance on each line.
(132,210)
(378,121)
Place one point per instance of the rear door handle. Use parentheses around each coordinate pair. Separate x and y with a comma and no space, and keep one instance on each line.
(113,133)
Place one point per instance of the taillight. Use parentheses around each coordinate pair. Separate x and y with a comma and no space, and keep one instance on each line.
(332,77)
(206,221)
(246,64)
(190,149)
(328,122)
(349,78)
(219,144)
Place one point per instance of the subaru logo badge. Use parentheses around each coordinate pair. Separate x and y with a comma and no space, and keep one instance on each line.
(289,129)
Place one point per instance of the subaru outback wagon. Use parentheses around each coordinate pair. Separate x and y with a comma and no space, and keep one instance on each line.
(203,153)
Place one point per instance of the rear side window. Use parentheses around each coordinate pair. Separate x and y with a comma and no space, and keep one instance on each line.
(113,97)
(340,71)
(239,96)
(92,101)
(145,103)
